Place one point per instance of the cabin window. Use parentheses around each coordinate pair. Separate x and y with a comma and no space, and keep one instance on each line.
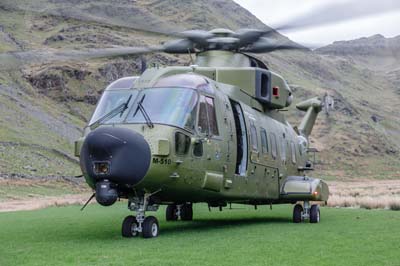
(264,141)
(253,132)
(182,143)
(293,148)
(283,149)
(207,117)
(273,146)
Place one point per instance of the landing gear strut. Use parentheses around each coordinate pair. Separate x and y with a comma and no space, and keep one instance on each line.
(300,214)
(134,225)
(182,211)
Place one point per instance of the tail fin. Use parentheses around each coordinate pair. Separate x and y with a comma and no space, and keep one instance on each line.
(312,107)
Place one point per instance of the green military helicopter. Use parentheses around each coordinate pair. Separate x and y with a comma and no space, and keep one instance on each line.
(210,132)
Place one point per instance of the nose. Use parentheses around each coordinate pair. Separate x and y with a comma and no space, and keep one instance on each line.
(119,155)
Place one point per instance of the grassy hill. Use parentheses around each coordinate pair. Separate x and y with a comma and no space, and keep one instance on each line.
(44,107)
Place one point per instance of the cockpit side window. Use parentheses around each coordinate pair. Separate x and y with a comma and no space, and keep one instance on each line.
(212,117)
(207,117)
(203,119)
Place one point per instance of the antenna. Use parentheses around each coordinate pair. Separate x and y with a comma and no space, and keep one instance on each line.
(191,58)
(143,64)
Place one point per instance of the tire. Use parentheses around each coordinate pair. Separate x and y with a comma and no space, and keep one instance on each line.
(314,214)
(170,213)
(150,227)
(187,212)
(297,213)
(128,226)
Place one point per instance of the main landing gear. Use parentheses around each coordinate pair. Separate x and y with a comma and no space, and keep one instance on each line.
(182,211)
(300,214)
(133,226)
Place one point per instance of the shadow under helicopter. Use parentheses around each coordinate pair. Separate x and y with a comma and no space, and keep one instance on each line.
(218,224)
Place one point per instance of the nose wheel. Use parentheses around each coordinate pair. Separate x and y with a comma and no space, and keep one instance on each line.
(312,213)
(133,226)
(150,227)
(130,227)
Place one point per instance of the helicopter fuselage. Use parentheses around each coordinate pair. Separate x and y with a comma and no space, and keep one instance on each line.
(181,135)
(235,151)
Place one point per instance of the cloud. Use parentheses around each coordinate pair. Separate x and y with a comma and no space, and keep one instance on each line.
(326,13)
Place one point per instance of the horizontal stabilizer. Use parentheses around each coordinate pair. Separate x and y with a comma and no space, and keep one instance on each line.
(314,102)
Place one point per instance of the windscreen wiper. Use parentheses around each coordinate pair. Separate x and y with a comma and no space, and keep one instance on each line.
(120,109)
(144,113)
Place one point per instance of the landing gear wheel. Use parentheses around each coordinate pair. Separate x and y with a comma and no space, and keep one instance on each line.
(314,214)
(297,213)
(129,226)
(170,213)
(150,227)
(187,212)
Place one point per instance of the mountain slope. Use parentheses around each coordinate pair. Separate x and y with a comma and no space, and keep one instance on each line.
(44,107)
(376,53)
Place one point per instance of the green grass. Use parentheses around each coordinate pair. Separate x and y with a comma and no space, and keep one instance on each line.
(243,236)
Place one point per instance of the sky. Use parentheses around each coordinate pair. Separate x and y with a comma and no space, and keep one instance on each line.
(351,25)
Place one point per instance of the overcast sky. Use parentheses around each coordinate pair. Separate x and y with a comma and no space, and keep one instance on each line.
(273,13)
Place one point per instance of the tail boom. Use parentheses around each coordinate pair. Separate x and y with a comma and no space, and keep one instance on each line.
(312,107)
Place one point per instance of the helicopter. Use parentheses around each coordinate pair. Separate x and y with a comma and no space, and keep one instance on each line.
(213,131)
(210,132)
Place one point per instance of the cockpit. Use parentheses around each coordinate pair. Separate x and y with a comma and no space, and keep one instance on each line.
(170,101)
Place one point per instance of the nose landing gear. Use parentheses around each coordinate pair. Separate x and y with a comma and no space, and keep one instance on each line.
(312,213)
(148,226)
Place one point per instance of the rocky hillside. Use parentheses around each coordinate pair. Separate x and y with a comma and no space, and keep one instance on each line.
(374,47)
(376,53)
(44,107)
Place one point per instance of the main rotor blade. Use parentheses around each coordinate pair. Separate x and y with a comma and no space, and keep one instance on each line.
(248,36)
(339,12)
(16,60)
(265,45)
(181,46)
(198,36)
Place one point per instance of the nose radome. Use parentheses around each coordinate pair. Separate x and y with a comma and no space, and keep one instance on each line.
(119,155)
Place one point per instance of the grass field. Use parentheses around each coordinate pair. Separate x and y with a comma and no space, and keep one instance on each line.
(242,236)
